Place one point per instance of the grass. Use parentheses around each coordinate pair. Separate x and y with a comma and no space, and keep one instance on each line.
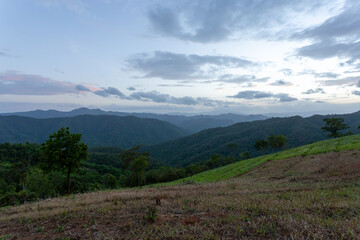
(241,167)
(304,197)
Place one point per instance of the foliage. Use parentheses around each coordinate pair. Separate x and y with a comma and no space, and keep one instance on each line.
(110,181)
(138,166)
(151,215)
(261,144)
(63,151)
(276,141)
(245,155)
(333,126)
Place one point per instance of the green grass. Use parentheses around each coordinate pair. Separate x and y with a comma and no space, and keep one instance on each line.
(241,167)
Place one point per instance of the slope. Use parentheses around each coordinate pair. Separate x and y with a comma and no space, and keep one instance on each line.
(303,197)
(96,130)
(241,167)
(200,146)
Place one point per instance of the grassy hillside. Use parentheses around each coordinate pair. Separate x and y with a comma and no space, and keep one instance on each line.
(304,197)
(96,130)
(241,167)
(200,146)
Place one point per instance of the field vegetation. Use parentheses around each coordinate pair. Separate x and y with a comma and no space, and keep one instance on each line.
(303,197)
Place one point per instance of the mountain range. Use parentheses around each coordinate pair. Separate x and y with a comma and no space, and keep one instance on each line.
(190,124)
(101,130)
(200,146)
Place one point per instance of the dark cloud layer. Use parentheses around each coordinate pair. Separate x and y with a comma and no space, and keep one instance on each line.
(249,95)
(173,66)
(16,83)
(218,20)
(155,96)
(336,37)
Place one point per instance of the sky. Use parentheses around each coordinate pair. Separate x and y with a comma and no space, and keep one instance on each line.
(181,56)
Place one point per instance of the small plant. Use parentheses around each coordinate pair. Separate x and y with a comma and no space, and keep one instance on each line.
(6,237)
(151,214)
(59,229)
(40,229)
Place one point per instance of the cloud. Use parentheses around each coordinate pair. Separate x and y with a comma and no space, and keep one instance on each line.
(157,97)
(250,95)
(231,78)
(328,49)
(4,54)
(17,83)
(173,66)
(281,83)
(110,91)
(344,81)
(82,88)
(131,88)
(336,37)
(286,71)
(346,24)
(312,91)
(356,93)
(319,75)
(218,20)
(358,85)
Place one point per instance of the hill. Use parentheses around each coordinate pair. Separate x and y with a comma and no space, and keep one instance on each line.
(200,146)
(241,167)
(298,196)
(96,130)
(190,124)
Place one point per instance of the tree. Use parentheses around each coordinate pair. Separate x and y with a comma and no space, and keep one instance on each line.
(110,181)
(138,166)
(129,155)
(334,125)
(261,144)
(245,155)
(63,151)
(276,141)
(232,147)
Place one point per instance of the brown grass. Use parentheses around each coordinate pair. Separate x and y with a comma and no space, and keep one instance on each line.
(312,197)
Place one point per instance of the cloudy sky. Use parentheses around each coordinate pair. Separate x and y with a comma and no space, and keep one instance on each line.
(188,56)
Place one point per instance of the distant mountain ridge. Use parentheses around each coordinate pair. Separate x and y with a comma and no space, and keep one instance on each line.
(102,130)
(191,124)
(200,146)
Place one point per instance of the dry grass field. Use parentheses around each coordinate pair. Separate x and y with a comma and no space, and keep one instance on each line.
(305,197)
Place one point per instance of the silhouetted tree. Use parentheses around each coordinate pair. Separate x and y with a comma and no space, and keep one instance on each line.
(334,125)
(63,151)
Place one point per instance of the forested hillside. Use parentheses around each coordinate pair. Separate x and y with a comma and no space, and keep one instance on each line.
(96,130)
(200,146)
